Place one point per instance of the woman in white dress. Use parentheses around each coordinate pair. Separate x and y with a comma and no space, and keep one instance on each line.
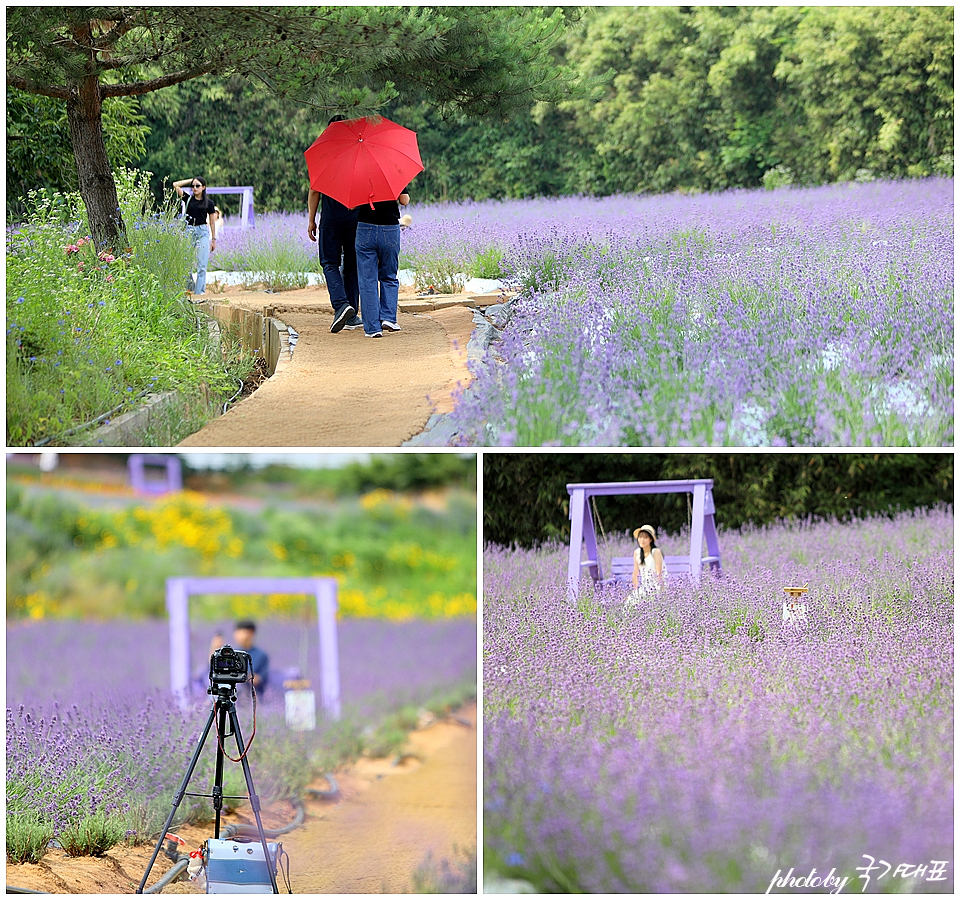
(647,564)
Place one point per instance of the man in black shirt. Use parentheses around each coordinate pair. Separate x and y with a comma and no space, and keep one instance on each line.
(338,256)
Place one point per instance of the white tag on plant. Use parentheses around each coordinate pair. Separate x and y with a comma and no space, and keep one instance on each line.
(794,612)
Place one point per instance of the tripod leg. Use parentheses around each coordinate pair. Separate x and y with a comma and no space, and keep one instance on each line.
(179,796)
(218,772)
(254,799)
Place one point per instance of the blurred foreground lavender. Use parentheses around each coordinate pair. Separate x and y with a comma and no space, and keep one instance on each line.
(692,744)
(94,736)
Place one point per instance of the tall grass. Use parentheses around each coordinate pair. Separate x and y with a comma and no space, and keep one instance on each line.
(90,334)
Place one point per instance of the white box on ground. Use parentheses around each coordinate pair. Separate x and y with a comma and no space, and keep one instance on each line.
(301,710)
(238,868)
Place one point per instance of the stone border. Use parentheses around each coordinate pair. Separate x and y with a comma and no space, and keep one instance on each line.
(440,430)
(127,428)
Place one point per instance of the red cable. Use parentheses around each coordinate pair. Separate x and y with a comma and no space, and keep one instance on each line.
(253,691)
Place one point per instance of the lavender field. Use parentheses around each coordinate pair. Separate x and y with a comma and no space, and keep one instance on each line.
(795,317)
(691,744)
(95,741)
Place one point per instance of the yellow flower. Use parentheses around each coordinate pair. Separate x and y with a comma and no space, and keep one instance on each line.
(374,499)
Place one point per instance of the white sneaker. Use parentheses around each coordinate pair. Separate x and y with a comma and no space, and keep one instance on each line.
(391,326)
(375,334)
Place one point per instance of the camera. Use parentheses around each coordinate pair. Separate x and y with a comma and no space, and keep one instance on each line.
(229,666)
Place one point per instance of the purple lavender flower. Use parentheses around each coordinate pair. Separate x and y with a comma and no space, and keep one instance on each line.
(692,744)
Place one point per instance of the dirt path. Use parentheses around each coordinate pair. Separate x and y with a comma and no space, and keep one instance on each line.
(346,390)
(390,818)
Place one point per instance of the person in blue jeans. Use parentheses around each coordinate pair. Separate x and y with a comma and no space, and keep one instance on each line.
(338,255)
(378,262)
(201,218)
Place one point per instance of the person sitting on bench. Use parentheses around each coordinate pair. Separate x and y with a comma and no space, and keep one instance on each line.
(647,564)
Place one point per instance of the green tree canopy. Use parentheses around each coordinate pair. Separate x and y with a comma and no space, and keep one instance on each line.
(877,83)
(39,155)
(668,98)
(484,60)
(525,499)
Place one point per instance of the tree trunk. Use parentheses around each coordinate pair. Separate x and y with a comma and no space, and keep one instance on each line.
(97,187)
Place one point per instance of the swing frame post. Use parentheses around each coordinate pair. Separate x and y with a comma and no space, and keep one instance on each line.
(583,534)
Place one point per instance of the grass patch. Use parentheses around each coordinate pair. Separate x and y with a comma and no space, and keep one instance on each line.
(91,333)
(92,835)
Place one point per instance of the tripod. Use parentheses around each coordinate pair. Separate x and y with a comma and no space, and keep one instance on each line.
(224,705)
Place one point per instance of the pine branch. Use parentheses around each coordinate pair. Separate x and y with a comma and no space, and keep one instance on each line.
(134,88)
(32,87)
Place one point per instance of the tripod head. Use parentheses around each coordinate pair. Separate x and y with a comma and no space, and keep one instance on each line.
(225,694)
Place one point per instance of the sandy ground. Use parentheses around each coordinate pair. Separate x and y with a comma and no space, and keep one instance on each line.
(389,819)
(392,816)
(347,390)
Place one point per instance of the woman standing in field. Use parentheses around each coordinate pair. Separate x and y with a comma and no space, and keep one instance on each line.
(647,564)
(201,216)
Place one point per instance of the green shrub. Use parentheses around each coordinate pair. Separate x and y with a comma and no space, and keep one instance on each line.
(488,263)
(90,334)
(92,835)
(27,838)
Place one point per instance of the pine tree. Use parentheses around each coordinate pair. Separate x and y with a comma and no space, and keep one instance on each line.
(352,59)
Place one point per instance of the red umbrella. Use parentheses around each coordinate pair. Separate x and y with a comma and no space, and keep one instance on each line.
(359,161)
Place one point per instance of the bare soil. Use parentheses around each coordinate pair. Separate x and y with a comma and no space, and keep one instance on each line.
(390,817)
(347,390)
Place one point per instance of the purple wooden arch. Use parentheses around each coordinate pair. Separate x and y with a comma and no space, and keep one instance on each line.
(173,474)
(325,590)
(246,201)
(702,525)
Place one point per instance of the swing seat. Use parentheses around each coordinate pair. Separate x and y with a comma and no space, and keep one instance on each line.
(583,534)
(621,567)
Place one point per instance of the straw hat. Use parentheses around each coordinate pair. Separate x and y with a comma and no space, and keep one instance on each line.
(648,529)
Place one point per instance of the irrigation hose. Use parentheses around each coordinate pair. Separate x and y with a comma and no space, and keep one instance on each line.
(251,830)
(332,794)
(234,397)
(169,876)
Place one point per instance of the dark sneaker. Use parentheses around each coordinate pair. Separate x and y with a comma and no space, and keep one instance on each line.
(341,318)
(355,323)
(390,326)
